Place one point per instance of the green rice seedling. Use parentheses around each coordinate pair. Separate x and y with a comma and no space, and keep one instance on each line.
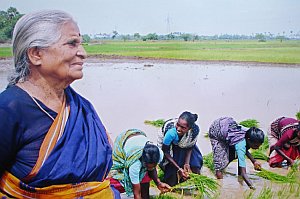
(205,134)
(204,185)
(294,171)
(208,161)
(249,194)
(160,173)
(257,154)
(156,123)
(266,193)
(249,123)
(275,177)
(298,115)
(163,196)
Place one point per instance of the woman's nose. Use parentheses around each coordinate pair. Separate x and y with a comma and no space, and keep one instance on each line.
(81,52)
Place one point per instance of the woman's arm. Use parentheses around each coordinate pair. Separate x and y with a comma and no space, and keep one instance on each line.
(187,167)
(243,173)
(280,152)
(166,150)
(137,191)
(257,165)
(281,143)
(163,187)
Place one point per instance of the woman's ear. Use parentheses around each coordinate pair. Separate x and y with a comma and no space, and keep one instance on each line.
(34,55)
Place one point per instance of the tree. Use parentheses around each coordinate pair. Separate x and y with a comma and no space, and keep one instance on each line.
(125,37)
(152,36)
(137,36)
(8,19)
(260,37)
(186,37)
(86,38)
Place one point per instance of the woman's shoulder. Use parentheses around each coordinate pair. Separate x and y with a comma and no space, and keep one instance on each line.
(12,97)
(172,132)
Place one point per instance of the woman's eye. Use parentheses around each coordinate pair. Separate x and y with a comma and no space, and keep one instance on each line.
(73,43)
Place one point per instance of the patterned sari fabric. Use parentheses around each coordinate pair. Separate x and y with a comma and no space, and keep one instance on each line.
(122,161)
(74,159)
(224,133)
(283,128)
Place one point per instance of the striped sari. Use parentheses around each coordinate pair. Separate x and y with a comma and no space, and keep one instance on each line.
(74,158)
(122,161)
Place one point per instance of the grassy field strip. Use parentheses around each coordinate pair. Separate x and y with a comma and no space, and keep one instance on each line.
(270,51)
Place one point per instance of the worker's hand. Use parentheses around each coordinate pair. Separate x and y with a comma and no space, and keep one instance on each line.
(252,187)
(257,165)
(187,168)
(219,174)
(291,162)
(183,174)
(163,187)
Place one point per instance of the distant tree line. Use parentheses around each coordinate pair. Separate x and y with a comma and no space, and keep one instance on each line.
(261,37)
(9,18)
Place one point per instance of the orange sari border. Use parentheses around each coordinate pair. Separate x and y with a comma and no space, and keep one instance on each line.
(11,185)
(51,138)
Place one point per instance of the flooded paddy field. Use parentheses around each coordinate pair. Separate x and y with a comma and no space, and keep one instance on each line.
(125,93)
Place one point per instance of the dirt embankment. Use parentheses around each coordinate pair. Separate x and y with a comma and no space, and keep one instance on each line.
(7,63)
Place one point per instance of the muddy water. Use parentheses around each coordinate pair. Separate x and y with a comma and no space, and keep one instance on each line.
(126,94)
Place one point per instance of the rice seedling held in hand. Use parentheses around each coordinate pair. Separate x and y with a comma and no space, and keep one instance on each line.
(204,186)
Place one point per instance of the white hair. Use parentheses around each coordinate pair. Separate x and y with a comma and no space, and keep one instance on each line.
(35,30)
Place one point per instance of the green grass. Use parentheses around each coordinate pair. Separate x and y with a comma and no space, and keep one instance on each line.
(236,50)
(5,52)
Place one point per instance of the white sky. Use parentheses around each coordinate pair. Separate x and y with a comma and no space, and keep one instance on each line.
(203,17)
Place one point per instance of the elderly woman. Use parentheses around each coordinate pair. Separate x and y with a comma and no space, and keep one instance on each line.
(284,139)
(53,143)
(179,146)
(231,141)
(134,164)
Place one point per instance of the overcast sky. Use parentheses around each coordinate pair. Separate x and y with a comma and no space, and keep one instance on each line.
(203,17)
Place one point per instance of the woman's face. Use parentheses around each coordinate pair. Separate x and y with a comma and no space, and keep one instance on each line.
(182,126)
(253,145)
(63,61)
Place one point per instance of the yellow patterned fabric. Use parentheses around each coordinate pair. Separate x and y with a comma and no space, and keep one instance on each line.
(13,187)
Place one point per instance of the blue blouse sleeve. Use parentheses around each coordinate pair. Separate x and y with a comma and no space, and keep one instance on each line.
(240,149)
(8,128)
(170,136)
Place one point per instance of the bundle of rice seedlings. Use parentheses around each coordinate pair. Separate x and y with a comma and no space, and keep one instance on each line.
(260,155)
(204,185)
(249,123)
(269,175)
(208,161)
(156,123)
